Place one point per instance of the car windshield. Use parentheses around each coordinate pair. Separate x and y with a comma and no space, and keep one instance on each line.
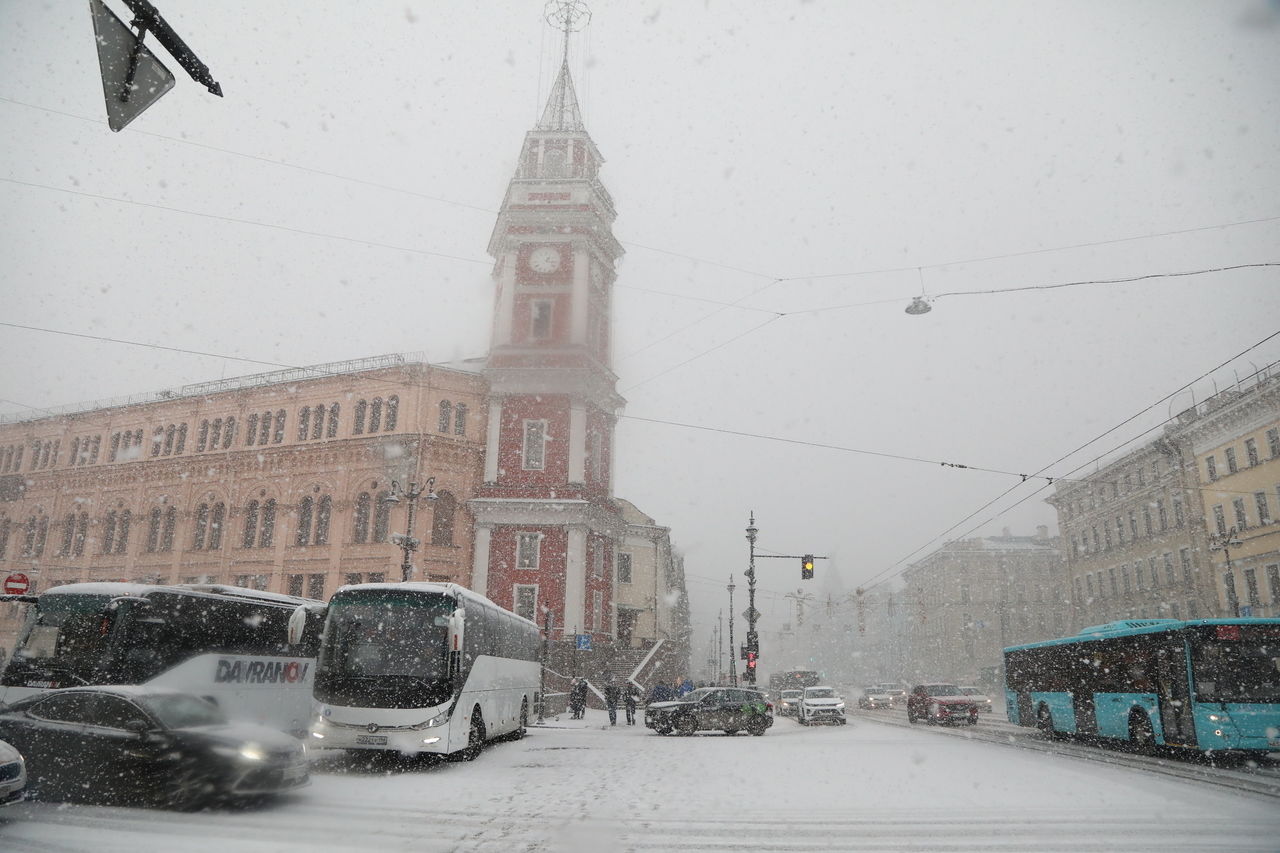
(180,711)
(970,691)
(792,694)
(943,690)
(820,693)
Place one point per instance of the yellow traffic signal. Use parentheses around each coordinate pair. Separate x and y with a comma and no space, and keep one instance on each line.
(806,567)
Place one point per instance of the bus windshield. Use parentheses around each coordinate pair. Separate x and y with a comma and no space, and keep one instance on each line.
(385,648)
(1237,664)
(68,635)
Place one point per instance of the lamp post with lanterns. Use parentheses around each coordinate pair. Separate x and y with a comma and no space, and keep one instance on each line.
(407,541)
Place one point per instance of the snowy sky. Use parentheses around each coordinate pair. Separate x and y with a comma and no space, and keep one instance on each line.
(822,161)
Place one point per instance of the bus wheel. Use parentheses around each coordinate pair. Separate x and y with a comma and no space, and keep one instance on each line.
(1044,722)
(1141,736)
(475,738)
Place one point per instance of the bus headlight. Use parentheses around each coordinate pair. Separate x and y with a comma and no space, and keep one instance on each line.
(438,720)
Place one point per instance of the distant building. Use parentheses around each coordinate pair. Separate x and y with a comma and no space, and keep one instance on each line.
(1234,440)
(968,600)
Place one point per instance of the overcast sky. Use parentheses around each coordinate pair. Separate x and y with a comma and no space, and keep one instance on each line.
(815,165)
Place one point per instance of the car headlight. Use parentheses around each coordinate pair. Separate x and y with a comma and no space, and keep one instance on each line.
(840,705)
(246,752)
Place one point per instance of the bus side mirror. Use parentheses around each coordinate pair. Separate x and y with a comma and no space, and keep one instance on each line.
(457,629)
(297,624)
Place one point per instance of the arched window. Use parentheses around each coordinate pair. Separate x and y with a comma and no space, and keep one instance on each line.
(382,518)
(228,433)
(122,536)
(68,533)
(97,445)
(4,536)
(460,419)
(153,530)
(446,415)
(42,533)
(375,415)
(393,412)
(250,524)
(251,430)
(216,522)
(215,433)
(170,524)
(202,527)
(170,433)
(203,440)
(75,451)
(305,507)
(358,428)
(267,535)
(323,511)
(180,446)
(317,428)
(82,533)
(108,532)
(264,430)
(157,439)
(445,508)
(279,434)
(304,422)
(361,531)
(333,421)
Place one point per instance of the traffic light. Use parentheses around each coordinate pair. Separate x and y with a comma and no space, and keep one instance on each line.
(806,567)
(751,662)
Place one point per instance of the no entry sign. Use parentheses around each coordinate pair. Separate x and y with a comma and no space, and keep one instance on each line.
(17,583)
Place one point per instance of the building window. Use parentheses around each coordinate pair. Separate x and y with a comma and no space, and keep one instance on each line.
(216,523)
(352,578)
(332,431)
(215,433)
(108,533)
(1220,520)
(264,428)
(315,586)
(305,507)
(1106,536)
(446,416)
(1079,592)
(250,524)
(304,423)
(624,573)
(1115,587)
(153,532)
(1119,530)
(1251,451)
(1179,517)
(251,430)
(1211,468)
(1251,586)
(1273,579)
(278,436)
(1273,441)
(528,548)
(597,610)
(1170,578)
(1232,467)
(203,440)
(1155,572)
(1264,511)
(597,562)
(444,509)
(393,413)
(535,438)
(1125,580)
(361,531)
(382,518)
(122,534)
(361,408)
(1138,578)
(1242,520)
(324,510)
(170,525)
(525,598)
(82,533)
(1133,525)
(68,534)
(293,585)
(460,419)
(1088,581)
(1162,514)
(540,319)
(202,527)
(1146,520)
(1184,557)
(375,414)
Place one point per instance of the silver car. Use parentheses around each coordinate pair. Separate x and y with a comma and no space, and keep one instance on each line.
(13,774)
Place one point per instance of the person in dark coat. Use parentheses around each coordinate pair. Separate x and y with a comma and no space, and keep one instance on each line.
(611,696)
(660,693)
(632,695)
(578,698)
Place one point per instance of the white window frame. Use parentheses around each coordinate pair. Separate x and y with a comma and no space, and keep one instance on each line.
(597,562)
(521,539)
(624,559)
(534,458)
(541,314)
(597,608)
(516,590)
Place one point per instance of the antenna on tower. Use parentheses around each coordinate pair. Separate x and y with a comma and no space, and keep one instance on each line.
(569,16)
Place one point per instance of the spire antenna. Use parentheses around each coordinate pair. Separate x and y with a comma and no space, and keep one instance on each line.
(569,16)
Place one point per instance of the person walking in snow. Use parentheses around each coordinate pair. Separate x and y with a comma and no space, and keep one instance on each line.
(632,695)
(578,698)
(611,696)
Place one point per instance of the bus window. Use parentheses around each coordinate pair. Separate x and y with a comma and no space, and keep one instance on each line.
(1244,670)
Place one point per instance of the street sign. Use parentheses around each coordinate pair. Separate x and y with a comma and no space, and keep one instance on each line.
(582,641)
(16,584)
(751,614)
(132,78)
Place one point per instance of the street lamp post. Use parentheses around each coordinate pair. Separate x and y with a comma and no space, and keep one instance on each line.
(733,666)
(407,541)
(753,638)
(1224,543)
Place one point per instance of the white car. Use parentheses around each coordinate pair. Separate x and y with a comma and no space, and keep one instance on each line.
(821,705)
(789,703)
(981,699)
(13,774)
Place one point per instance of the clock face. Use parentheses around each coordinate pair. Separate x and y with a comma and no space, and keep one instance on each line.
(544,259)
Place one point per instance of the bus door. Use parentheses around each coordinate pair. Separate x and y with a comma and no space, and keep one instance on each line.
(1174,692)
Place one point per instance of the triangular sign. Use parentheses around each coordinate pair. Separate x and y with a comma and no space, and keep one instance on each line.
(117,46)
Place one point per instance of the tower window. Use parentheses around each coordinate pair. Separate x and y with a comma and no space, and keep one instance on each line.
(540,324)
(528,547)
(535,442)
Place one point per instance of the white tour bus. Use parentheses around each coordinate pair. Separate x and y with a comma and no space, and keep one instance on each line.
(224,643)
(421,668)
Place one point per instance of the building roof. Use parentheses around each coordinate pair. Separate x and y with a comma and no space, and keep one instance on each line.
(562,112)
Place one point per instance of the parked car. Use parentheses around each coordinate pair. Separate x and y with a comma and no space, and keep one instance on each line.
(146,745)
(940,703)
(873,698)
(821,705)
(730,709)
(896,691)
(789,703)
(13,774)
(981,699)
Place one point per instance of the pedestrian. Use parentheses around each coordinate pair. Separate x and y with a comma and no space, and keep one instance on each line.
(611,696)
(632,695)
(578,698)
(660,693)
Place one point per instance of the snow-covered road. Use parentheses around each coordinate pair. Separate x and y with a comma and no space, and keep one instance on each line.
(582,786)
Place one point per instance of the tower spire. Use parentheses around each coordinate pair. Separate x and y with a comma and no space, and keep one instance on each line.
(562,111)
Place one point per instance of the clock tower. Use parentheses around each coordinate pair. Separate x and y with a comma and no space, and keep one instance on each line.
(545,521)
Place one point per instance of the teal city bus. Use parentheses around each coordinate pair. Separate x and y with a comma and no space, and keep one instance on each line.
(1210,685)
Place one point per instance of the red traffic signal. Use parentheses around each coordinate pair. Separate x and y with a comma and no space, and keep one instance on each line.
(751,660)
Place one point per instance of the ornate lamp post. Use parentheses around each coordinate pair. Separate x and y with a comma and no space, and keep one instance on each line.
(753,638)
(1224,543)
(407,541)
(733,666)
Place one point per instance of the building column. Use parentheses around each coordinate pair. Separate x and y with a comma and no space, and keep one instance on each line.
(581,295)
(480,559)
(575,581)
(491,440)
(577,442)
(504,311)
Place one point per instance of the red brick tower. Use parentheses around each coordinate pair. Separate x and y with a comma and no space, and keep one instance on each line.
(545,523)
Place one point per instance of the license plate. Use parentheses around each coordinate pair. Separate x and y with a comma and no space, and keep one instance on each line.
(371,740)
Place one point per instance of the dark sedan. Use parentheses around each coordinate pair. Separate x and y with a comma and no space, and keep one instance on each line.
(728,709)
(141,745)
